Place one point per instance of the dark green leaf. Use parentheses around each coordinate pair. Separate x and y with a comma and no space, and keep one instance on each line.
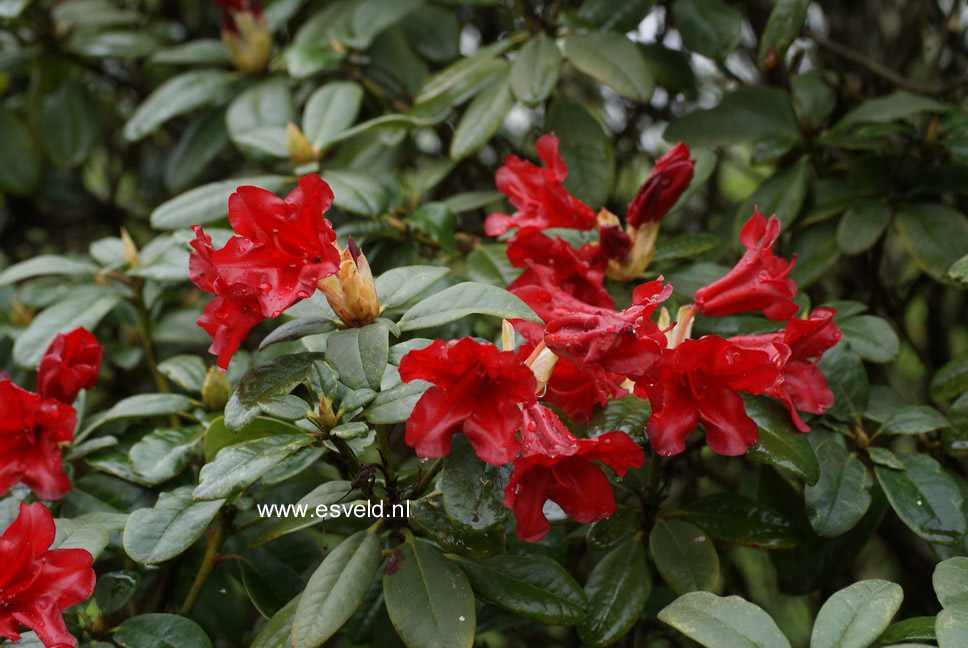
(587,152)
(781,195)
(740,520)
(277,376)
(176,96)
(473,491)
(209,202)
(483,118)
(398,286)
(862,225)
(237,466)
(329,111)
(437,221)
(870,337)
(71,123)
(925,497)
(614,60)
(915,629)
(617,590)
(395,404)
(465,299)
(951,380)
(163,454)
(270,583)
(856,615)
(723,622)
(685,556)
(535,70)
(114,589)
(199,145)
(950,581)
(842,495)
(780,444)
(359,355)
(154,535)
(742,116)
(935,235)
(847,378)
(161,631)
(428,516)
(782,28)
(710,27)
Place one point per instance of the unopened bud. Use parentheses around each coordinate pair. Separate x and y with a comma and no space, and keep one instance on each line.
(129,251)
(299,148)
(215,390)
(542,362)
(351,292)
(325,416)
(245,34)
(507,336)
(670,177)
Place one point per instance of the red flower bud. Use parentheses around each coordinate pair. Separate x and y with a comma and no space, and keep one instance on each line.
(477,391)
(37,583)
(670,177)
(557,466)
(30,429)
(71,363)
(538,194)
(615,243)
(758,281)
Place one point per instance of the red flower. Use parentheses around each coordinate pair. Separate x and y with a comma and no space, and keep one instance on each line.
(538,194)
(670,177)
(228,8)
(70,364)
(697,382)
(557,466)
(627,343)
(36,583)
(758,282)
(579,272)
(615,243)
(795,351)
(283,248)
(30,429)
(477,392)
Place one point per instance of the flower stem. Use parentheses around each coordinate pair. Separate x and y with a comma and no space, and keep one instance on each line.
(426,478)
(215,539)
(144,332)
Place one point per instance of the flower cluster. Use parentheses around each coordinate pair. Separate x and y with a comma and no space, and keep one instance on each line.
(37,583)
(599,352)
(283,250)
(33,424)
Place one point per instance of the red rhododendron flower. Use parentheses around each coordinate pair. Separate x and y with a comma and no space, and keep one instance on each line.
(579,272)
(30,429)
(229,7)
(758,282)
(615,243)
(697,382)
(37,583)
(557,466)
(627,343)
(670,177)
(795,351)
(477,391)
(283,248)
(70,364)
(538,194)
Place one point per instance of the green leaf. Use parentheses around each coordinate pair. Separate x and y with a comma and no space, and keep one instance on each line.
(237,466)
(959,271)
(534,587)
(176,96)
(857,615)
(535,70)
(276,632)
(473,491)
(628,415)
(862,225)
(77,534)
(114,44)
(256,119)
(709,27)
(685,246)
(297,329)
(334,495)
(437,221)
(114,589)
(899,105)
(427,516)
(277,376)
(202,51)
(161,631)
(398,286)
(140,406)
(483,118)
(86,306)
(847,378)
(670,68)
(587,152)
(154,535)
(925,497)
(951,380)
(186,371)
(461,77)
(12,8)
(685,556)
(163,454)
(617,590)
(780,444)
(465,299)
(428,598)
(200,144)
(46,264)
(935,236)
(370,17)
(746,115)
(395,404)
(356,192)
(19,157)
(71,123)
(740,520)
(617,15)
(614,60)
(815,98)
(782,28)
(951,627)
(886,458)
(913,629)
(209,202)
(359,355)
(269,583)
(217,436)
(723,622)
(950,581)
(336,589)
(915,419)
(842,495)
(488,264)
(781,195)
(330,110)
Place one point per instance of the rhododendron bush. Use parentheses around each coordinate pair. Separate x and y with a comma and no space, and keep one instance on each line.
(443,323)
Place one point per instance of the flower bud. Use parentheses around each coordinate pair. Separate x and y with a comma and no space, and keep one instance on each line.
(215,390)
(325,418)
(129,251)
(670,177)
(299,148)
(245,34)
(351,292)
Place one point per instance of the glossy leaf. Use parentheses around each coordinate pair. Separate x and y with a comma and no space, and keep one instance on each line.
(535,70)
(925,497)
(465,299)
(723,622)
(684,555)
(841,496)
(154,535)
(856,615)
(617,590)
(612,59)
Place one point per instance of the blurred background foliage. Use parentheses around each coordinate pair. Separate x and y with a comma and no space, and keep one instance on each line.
(847,119)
